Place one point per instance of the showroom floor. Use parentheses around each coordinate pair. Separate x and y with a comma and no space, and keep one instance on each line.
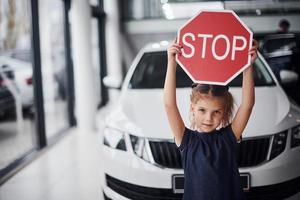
(68,170)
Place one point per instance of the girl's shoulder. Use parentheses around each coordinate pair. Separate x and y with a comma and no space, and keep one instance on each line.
(187,135)
(227,128)
(228,133)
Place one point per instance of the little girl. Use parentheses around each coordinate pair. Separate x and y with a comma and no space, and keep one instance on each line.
(208,147)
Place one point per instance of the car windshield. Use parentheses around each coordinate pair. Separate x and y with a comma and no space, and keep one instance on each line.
(280,44)
(151,70)
(22,55)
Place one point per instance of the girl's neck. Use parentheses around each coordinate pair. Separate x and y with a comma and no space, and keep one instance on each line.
(200,131)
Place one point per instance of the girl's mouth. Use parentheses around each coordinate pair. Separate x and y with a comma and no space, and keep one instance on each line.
(207,125)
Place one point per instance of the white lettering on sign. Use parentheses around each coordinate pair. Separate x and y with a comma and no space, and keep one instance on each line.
(213,48)
(188,44)
(215,39)
(235,48)
(205,36)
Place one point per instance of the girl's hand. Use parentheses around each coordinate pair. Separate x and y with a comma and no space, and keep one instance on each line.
(173,50)
(253,51)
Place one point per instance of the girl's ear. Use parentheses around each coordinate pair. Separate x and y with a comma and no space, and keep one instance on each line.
(192,116)
(224,120)
(191,107)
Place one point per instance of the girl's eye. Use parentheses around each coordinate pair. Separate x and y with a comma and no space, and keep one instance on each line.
(217,112)
(201,109)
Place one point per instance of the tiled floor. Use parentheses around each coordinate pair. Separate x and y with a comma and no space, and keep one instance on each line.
(15,141)
(68,170)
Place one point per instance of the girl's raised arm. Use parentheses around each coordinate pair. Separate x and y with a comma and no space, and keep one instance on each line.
(174,117)
(248,97)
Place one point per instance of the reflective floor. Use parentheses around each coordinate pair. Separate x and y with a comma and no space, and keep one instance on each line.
(13,142)
(68,170)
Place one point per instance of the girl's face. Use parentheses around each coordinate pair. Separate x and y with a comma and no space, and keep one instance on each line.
(208,114)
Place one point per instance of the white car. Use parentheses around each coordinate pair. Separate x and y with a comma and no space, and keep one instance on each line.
(142,162)
(19,61)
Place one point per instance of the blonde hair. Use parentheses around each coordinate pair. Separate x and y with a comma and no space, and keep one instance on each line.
(204,91)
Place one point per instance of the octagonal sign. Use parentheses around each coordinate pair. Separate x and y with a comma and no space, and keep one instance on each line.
(215,47)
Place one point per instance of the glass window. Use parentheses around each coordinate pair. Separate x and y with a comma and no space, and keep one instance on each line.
(17,123)
(94,2)
(284,44)
(182,9)
(53,63)
(151,71)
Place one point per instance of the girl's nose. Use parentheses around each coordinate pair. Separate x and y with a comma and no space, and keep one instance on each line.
(208,116)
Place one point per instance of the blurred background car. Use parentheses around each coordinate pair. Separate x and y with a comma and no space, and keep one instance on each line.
(141,160)
(19,61)
(282,52)
(7,101)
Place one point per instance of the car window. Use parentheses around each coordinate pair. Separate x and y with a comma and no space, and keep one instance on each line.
(24,56)
(279,44)
(151,71)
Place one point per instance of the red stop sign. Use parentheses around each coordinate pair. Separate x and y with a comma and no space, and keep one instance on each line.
(215,47)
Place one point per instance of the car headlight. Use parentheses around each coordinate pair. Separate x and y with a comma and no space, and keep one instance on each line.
(295,139)
(139,147)
(278,145)
(114,138)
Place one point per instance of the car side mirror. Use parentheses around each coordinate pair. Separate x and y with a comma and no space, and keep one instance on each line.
(288,77)
(112,82)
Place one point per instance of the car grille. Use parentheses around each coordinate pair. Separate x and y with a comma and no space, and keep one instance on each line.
(252,152)
(166,154)
(249,153)
(138,192)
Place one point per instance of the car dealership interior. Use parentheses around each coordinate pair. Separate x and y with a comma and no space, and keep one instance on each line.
(82,82)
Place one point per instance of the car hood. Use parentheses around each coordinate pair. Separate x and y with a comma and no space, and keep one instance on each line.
(141,112)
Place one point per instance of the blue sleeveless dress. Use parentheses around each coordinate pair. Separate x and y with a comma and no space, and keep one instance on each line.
(210,165)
